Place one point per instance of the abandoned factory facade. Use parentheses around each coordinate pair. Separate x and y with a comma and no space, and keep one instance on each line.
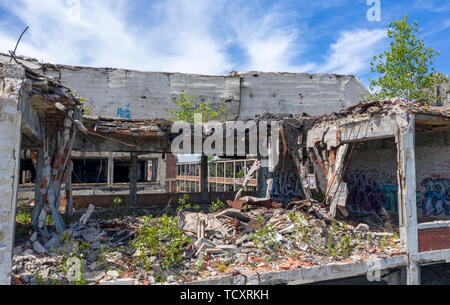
(360,159)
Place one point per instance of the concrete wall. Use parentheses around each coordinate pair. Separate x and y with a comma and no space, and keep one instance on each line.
(10,139)
(133,94)
(286,186)
(314,94)
(372,176)
(136,94)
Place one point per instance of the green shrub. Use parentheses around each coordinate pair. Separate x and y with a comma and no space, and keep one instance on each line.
(160,237)
(265,238)
(216,206)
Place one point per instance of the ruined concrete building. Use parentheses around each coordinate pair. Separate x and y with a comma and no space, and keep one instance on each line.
(359,159)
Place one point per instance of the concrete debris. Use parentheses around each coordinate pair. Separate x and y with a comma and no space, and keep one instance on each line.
(362,227)
(259,240)
(33,236)
(84,219)
(234,213)
(38,247)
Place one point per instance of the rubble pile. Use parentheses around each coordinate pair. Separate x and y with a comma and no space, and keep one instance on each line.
(229,242)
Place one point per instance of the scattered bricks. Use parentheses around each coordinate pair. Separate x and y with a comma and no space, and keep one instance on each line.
(290,260)
(285,267)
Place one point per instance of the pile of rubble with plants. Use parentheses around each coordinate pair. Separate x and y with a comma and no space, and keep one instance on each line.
(195,245)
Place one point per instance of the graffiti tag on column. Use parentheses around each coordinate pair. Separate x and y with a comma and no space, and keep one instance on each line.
(436,199)
(291,187)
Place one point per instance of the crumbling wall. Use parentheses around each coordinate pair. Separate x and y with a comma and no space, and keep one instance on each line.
(315,94)
(286,186)
(134,94)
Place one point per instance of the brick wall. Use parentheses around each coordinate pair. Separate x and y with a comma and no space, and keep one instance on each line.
(171,173)
(434,239)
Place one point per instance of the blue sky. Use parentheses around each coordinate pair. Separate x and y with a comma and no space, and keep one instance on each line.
(217,36)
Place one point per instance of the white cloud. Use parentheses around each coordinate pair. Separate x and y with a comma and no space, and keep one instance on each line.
(104,37)
(353,51)
(178,36)
(269,44)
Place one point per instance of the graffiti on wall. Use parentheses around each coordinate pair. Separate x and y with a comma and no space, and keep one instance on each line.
(292,186)
(436,198)
(124,113)
(366,195)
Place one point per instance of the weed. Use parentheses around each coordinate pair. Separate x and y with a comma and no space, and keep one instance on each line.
(160,237)
(216,206)
(265,238)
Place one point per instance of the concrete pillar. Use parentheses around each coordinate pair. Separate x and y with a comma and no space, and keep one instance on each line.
(406,177)
(10,141)
(204,178)
(110,174)
(133,179)
(154,169)
(234,176)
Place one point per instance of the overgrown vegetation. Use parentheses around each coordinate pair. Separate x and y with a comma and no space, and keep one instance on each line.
(266,238)
(406,70)
(185,204)
(188,109)
(70,251)
(216,206)
(160,237)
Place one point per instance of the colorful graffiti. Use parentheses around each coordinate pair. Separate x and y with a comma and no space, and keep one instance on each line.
(436,198)
(292,186)
(366,195)
(124,113)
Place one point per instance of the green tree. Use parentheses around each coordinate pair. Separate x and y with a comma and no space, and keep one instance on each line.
(406,70)
(189,109)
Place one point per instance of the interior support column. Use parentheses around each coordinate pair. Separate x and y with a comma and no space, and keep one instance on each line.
(11,134)
(133,179)
(406,177)
(204,178)
(110,176)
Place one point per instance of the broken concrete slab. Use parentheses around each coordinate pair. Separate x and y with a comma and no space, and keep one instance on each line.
(234,213)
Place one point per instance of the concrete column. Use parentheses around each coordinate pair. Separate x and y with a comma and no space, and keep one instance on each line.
(217,165)
(245,171)
(204,179)
(10,141)
(154,169)
(110,174)
(133,179)
(406,177)
(234,176)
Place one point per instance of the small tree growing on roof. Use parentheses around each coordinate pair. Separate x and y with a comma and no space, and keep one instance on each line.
(189,109)
(406,70)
